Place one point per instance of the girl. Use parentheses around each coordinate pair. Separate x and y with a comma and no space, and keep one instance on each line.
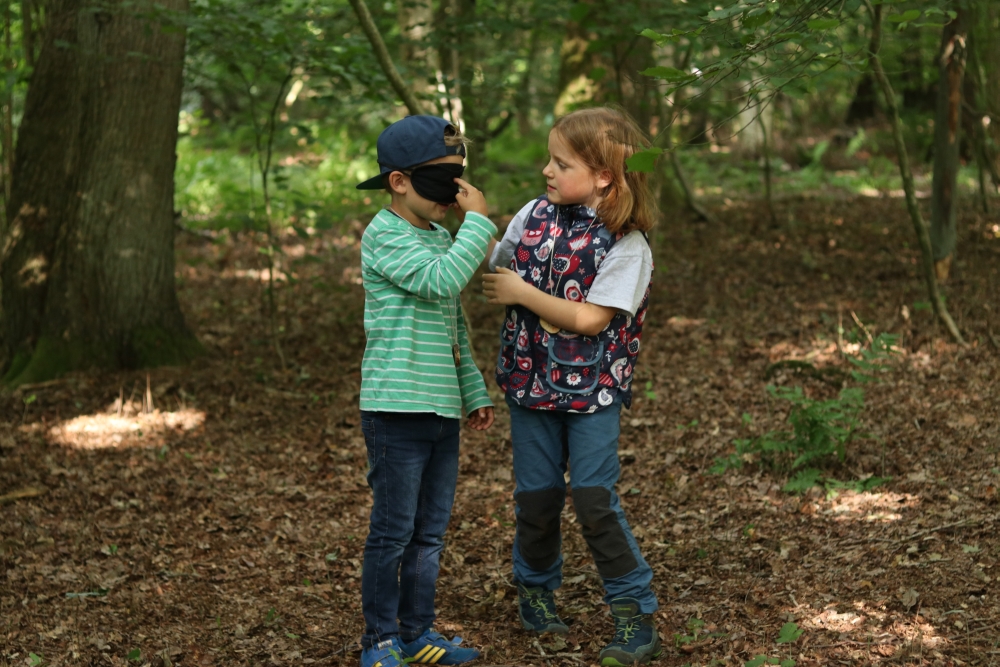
(576,293)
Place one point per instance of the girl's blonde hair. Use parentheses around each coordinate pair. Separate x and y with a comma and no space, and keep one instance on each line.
(604,138)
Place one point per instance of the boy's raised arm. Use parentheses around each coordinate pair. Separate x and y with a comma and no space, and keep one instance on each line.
(406,262)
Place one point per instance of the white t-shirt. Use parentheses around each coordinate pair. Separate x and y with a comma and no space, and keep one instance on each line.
(622,277)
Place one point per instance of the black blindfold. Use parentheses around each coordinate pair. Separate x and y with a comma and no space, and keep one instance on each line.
(436,182)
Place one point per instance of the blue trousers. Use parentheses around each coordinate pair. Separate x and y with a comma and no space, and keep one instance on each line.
(544,442)
(412,471)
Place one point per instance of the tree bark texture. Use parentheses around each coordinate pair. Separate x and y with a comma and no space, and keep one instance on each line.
(88,259)
(947,138)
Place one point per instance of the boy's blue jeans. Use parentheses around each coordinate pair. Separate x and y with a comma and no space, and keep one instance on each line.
(412,471)
(543,441)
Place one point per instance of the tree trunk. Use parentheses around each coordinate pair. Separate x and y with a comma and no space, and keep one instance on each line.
(947,138)
(577,62)
(474,110)
(984,26)
(863,105)
(88,259)
(416,21)
(383,57)
(919,226)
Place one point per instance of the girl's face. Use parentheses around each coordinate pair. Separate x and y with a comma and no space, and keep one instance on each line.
(569,180)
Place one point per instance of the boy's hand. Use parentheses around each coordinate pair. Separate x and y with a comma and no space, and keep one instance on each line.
(470,199)
(481,419)
(503,287)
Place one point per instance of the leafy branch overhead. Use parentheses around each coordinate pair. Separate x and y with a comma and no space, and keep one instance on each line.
(771,46)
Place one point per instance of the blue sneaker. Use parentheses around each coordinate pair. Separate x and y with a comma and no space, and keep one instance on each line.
(636,639)
(432,648)
(537,609)
(383,654)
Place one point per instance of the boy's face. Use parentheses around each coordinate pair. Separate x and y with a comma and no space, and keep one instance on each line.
(410,205)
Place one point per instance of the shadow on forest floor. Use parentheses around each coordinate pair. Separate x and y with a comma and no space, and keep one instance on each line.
(226,526)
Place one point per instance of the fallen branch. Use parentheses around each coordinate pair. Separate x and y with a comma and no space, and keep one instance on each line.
(828,374)
(200,233)
(928,531)
(20,494)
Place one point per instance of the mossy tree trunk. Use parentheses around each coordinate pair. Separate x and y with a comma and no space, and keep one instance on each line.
(88,257)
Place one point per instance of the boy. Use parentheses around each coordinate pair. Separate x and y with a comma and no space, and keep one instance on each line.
(417,378)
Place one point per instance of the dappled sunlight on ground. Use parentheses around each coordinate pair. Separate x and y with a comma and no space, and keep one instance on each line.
(872,634)
(113,431)
(871,507)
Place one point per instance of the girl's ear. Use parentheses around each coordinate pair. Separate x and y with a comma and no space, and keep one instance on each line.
(397,183)
(604,178)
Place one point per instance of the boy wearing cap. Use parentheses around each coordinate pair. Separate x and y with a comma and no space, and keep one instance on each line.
(417,380)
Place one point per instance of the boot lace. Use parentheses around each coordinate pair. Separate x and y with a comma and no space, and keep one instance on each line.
(541,605)
(625,629)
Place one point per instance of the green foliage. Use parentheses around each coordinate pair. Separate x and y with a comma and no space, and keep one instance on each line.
(788,634)
(871,360)
(694,627)
(644,160)
(820,430)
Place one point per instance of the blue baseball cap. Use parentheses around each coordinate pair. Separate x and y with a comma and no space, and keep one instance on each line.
(409,142)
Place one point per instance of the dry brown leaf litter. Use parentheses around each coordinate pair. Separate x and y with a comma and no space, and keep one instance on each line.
(222,521)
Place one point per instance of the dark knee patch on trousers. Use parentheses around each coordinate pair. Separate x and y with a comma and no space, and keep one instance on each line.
(538,526)
(604,534)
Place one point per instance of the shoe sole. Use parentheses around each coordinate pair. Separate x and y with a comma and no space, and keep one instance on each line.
(612,661)
(555,628)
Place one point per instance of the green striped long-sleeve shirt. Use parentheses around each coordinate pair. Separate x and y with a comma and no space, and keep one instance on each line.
(413,282)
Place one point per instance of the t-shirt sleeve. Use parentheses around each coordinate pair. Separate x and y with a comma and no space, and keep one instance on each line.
(504,250)
(623,275)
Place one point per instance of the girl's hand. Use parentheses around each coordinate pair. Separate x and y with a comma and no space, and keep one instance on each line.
(504,287)
(481,419)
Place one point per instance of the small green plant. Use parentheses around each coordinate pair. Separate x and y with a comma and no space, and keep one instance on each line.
(135,655)
(820,430)
(788,634)
(873,358)
(34,659)
(695,628)
(28,400)
(696,631)
(650,394)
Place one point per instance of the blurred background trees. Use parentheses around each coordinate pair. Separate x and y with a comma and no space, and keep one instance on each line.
(281,102)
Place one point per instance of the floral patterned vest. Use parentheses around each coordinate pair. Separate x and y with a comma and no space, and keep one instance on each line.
(559,252)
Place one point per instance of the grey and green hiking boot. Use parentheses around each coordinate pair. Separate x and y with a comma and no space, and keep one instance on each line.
(636,639)
(537,609)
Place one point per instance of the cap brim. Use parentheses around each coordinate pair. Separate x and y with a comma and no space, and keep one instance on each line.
(373,183)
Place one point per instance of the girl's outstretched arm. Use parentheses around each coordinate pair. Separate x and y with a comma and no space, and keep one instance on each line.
(507,288)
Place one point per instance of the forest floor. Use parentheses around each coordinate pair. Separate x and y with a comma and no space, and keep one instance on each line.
(220,517)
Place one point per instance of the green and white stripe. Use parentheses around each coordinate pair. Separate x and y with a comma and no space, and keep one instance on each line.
(413,282)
